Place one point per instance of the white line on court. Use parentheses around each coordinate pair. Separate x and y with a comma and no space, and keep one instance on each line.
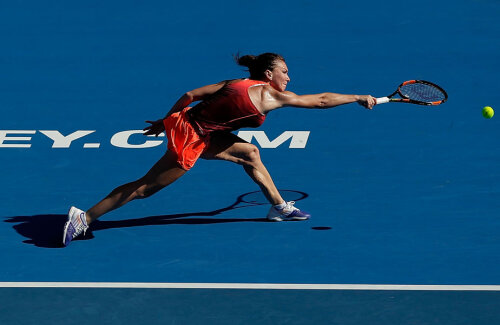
(255,286)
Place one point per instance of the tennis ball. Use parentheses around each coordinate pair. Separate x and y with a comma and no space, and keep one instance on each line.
(488,112)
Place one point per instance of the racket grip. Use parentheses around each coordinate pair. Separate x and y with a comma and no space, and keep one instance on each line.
(382,100)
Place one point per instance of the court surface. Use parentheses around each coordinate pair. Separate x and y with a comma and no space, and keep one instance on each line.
(404,199)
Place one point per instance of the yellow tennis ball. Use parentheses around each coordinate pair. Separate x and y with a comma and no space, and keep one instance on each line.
(488,112)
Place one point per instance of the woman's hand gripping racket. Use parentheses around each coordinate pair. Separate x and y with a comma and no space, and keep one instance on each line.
(418,92)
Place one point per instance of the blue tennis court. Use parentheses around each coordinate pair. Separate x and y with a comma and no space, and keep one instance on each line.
(404,198)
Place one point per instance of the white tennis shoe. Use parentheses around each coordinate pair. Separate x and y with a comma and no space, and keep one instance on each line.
(288,213)
(75,226)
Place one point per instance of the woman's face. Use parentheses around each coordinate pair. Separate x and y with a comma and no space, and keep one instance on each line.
(278,77)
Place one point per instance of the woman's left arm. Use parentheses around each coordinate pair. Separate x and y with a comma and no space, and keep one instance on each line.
(157,126)
(194,96)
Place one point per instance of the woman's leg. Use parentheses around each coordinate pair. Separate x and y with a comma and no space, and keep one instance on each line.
(163,173)
(229,147)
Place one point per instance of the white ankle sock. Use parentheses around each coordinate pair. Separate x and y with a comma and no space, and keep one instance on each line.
(280,206)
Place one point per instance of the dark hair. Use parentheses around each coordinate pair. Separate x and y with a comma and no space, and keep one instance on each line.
(257,65)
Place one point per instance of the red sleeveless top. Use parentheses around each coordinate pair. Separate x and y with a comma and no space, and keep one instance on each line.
(228,109)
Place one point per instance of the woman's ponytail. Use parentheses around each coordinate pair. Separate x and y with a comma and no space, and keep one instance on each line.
(257,65)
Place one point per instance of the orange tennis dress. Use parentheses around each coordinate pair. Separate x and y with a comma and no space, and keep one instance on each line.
(229,109)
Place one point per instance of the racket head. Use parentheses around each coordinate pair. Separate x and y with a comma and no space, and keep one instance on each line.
(421,92)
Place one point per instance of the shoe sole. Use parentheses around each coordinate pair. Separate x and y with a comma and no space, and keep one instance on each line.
(66,225)
(65,232)
(279,219)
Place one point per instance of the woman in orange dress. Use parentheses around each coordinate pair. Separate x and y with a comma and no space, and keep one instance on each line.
(204,131)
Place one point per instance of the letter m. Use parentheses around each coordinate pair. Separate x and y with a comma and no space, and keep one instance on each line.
(299,138)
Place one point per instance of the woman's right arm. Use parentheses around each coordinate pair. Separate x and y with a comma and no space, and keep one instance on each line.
(277,99)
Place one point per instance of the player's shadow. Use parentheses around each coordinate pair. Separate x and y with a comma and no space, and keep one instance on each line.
(45,230)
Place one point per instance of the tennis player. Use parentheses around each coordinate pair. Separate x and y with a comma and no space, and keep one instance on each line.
(205,131)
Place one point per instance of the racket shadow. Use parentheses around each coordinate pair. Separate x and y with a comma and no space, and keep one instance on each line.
(45,230)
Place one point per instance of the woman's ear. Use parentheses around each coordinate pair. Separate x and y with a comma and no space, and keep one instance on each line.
(269,74)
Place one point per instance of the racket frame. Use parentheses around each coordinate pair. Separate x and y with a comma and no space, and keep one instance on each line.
(405,99)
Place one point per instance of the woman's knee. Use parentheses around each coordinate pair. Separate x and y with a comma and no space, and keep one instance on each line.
(146,190)
(251,155)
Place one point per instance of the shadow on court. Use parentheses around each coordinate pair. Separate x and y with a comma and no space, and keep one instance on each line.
(45,230)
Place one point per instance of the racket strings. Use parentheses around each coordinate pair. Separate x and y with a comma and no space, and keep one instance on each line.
(422,92)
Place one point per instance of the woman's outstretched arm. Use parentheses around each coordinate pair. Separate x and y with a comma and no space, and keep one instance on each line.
(277,99)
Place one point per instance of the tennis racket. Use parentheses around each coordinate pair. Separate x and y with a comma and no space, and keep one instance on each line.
(418,92)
